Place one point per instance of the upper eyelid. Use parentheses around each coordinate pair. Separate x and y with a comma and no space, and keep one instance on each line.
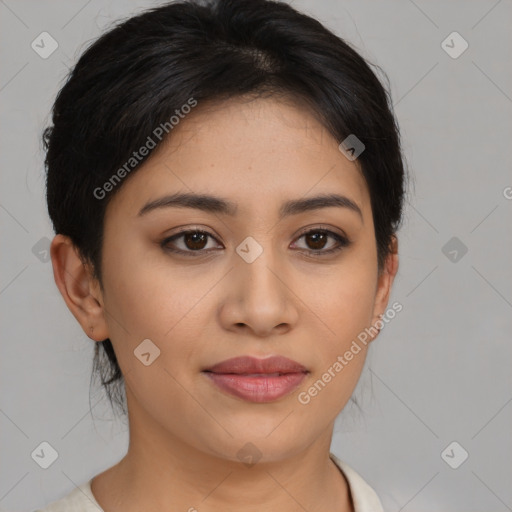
(191,230)
(328,229)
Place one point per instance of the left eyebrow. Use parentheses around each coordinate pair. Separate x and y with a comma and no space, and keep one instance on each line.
(296,206)
(213,204)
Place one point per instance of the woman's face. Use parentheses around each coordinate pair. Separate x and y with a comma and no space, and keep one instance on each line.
(256,285)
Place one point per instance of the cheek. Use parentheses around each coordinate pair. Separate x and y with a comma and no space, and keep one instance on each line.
(342,300)
(343,304)
(146,301)
(345,308)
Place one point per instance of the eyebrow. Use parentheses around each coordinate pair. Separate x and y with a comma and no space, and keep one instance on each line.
(213,204)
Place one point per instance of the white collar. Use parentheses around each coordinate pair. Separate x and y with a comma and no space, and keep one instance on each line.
(364,497)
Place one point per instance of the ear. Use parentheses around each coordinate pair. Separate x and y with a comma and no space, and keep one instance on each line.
(80,290)
(385,282)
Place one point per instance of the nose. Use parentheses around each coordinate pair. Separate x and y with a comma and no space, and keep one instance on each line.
(259,297)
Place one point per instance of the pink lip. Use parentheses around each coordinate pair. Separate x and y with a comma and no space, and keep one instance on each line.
(257,380)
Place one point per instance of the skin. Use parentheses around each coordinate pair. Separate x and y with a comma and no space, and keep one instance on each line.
(184,432)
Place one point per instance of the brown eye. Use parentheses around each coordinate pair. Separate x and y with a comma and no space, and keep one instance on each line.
(317,239)
(195,240)
(190,242)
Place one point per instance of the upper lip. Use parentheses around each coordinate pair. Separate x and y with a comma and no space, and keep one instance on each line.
(251,365)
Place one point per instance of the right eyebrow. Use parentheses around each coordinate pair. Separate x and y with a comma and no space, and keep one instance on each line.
(203,202)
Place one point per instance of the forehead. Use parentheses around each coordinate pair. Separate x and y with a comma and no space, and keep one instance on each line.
(253,151)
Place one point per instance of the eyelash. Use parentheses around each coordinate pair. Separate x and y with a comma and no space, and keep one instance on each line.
(342,241)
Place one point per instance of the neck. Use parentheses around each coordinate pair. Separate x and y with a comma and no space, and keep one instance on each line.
(162,472)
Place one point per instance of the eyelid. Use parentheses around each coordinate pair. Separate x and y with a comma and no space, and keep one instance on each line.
(184,231)
(322,227)
(342,239)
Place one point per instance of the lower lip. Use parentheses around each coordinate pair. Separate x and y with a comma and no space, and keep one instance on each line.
(257,388)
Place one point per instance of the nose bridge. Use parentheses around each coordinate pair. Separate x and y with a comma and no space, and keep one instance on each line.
(258,262)
(262,288)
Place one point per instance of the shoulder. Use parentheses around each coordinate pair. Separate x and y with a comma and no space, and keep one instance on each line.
(80,499)
(365,499)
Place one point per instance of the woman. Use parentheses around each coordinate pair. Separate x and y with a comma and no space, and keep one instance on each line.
(225,181)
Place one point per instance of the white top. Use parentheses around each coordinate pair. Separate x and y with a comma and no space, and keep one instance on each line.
(81,499)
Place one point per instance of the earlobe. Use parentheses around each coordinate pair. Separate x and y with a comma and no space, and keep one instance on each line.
(75,283)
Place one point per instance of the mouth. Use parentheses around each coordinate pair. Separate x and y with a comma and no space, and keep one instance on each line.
(257,380)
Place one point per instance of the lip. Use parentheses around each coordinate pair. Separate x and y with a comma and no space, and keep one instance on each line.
(250,365)
(257,380)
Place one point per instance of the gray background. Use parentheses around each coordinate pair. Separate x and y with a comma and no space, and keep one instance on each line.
(439,372)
